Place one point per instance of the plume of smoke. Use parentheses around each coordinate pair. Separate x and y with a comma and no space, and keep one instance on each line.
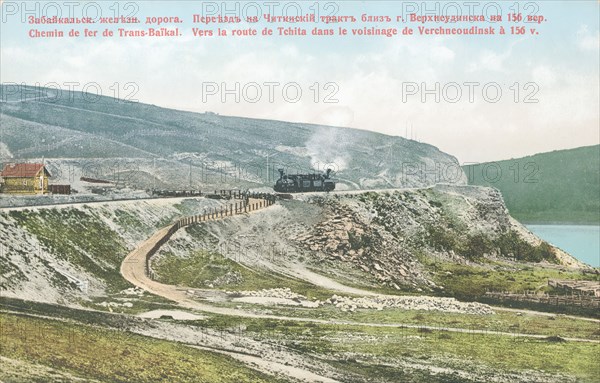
(327,149)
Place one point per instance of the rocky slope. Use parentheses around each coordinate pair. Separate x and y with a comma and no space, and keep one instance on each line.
(389,235)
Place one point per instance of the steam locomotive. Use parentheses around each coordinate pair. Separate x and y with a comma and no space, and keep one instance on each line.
(301,183)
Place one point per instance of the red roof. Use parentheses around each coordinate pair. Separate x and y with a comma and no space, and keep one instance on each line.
(22,170)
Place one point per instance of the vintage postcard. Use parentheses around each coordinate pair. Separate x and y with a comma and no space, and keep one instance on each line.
(335,191)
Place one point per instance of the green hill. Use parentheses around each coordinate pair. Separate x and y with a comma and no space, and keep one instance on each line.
(556,187)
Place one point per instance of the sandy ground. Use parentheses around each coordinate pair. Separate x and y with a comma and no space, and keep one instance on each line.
(271,301)
(276,368)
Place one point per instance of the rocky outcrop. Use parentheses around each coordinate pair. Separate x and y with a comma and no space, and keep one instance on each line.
(389,234)
(350,237)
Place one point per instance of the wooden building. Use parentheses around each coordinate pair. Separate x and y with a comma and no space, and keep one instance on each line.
(25,179)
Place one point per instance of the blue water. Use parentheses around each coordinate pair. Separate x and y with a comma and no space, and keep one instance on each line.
(582,242)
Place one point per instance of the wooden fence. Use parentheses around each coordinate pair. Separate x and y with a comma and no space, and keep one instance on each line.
(576,300)
(247,203)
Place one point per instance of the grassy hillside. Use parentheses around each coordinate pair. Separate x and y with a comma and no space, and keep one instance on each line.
(182,148)
(557,187)
(110,356)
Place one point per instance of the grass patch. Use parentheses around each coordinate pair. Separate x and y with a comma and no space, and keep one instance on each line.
(499,352)
(80,238)
(128,220)
(472,282)
(115,356)
(494,353)
(205,268)
(393,373)
(502,321)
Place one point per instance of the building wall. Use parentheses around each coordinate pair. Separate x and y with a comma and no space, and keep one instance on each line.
(24,185)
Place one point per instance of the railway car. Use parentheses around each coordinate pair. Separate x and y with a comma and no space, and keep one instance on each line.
(301,183)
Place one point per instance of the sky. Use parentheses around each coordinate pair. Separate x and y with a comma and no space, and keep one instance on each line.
(370,81)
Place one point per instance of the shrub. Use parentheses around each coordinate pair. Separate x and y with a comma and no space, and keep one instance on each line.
(476,246)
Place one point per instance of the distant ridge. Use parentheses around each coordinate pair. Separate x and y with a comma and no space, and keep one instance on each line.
(562,186)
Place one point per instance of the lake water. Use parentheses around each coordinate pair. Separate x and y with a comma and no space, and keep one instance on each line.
(581,241)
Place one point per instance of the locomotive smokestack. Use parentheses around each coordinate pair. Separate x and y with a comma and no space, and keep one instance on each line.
(280,173)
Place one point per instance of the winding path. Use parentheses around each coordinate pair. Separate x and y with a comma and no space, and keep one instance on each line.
(133,267)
